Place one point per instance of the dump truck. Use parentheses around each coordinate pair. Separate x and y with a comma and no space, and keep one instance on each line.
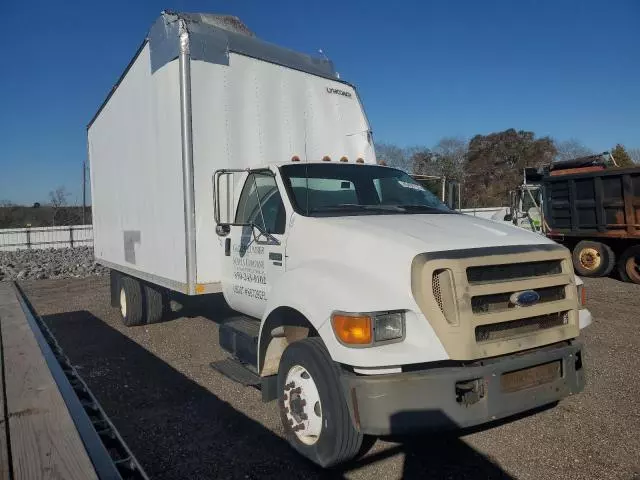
(594,210)
(223,165)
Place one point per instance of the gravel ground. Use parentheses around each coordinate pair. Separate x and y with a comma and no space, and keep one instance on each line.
(184,420)
(35,264)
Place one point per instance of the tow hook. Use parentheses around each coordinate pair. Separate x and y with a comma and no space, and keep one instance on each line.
(470,391)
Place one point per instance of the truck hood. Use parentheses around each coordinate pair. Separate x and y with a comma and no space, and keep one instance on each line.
(437,232)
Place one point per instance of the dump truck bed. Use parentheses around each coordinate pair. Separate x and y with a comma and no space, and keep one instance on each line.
(602,203)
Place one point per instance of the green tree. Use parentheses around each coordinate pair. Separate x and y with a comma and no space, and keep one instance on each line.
(621,156)
(495,164)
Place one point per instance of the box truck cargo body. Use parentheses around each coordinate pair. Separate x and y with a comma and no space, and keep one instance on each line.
(221,164)
(170,122)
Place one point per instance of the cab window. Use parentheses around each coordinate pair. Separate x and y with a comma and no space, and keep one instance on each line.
(261,204)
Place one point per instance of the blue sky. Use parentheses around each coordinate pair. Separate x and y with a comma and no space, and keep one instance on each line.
(425,69)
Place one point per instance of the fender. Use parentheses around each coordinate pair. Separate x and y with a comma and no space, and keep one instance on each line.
(318,288)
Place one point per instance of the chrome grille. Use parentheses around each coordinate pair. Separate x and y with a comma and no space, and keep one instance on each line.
(513,271)
(499,302)
(523,326)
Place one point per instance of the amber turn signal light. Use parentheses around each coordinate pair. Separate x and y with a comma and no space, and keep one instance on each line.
(352,330)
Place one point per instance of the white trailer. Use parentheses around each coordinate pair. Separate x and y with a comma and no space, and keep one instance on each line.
(224,100)
(221,163)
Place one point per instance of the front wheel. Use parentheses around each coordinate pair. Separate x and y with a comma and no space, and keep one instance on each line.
(313,410)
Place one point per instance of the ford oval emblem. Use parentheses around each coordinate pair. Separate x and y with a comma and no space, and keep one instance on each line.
(525,298)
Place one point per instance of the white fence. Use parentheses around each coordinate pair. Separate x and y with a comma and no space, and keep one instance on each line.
(46,237)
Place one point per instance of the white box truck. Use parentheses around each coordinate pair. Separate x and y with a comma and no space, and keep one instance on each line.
(222,164)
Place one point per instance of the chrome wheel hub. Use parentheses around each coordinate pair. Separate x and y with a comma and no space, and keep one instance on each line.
(302,405)
(123,303)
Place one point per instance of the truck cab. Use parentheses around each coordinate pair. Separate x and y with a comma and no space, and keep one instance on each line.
(525,207)
(374,305)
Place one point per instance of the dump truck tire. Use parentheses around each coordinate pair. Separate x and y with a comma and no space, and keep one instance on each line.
(629,264)
(593,259)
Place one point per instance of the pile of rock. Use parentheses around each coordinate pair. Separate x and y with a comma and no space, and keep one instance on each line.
(75,262)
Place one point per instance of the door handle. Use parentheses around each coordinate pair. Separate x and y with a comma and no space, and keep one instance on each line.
(227,247)
(276,257)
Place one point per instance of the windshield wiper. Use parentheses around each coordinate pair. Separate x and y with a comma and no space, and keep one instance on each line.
(356,206)
(424,208)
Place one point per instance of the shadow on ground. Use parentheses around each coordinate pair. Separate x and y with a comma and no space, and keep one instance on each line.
(179,429)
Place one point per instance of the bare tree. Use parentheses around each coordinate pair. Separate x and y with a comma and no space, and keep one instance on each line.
(451,153)
(570,149)
(423,161)
(6,213)
(634,153)
(57,199)
(393,156)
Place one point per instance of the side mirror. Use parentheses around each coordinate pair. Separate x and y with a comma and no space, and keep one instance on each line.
(223,207)
(222,196)
(508,217)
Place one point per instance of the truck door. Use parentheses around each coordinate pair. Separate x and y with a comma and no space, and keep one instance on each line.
(254,253)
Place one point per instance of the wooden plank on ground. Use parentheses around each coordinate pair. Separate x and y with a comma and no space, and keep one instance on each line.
(4,452)
(44,440)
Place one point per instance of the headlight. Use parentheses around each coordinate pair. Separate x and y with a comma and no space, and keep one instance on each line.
(388,326)
(369,329)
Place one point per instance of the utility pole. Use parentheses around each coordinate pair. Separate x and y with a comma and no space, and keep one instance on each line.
(84,191)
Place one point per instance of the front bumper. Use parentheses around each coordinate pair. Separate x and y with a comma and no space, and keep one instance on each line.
(439,398)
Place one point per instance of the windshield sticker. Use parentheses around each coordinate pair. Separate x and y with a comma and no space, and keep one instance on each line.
(412,186)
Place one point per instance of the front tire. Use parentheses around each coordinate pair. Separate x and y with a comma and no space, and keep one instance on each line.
(593,259)
(313,410)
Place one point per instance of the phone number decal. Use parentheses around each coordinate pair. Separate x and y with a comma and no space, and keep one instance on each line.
(250,277)
(250,292)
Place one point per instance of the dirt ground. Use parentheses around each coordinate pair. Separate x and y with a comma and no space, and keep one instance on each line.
(182,419)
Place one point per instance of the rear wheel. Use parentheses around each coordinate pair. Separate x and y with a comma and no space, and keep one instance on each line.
(593,259)
(154,301)
(629,264)
(131,302)
(313,410)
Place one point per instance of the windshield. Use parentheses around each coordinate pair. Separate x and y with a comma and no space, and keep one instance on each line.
(527,201)
(337,189)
